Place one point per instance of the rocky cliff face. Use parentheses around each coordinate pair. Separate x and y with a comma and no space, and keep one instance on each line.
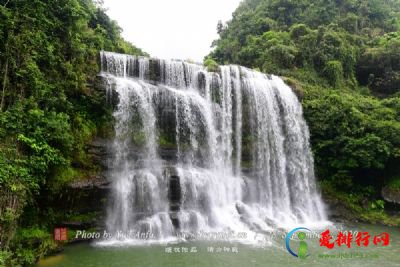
(84,199)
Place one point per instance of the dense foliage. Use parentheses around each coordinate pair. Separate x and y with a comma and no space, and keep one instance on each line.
(49,109)
(342,57)
(341,40)
(356,139)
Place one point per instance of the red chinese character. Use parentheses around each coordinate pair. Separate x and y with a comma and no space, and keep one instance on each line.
(362,238)
(324,240)
(382,238)
(343,239)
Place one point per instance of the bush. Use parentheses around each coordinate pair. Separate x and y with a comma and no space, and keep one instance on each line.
(333,71)
(211,65)
(5,257)
(31,244)
(353,135)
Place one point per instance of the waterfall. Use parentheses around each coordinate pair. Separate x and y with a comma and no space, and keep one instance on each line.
(201,151)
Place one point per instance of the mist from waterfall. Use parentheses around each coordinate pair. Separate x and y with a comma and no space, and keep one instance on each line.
(202,151)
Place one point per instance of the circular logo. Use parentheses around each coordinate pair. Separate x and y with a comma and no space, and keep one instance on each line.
(303,248)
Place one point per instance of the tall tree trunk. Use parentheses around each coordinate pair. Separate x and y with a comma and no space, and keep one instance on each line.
(4,86)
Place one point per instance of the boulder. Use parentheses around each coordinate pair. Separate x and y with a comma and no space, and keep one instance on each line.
(390,194)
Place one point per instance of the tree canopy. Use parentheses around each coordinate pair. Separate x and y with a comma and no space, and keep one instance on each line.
(340,40)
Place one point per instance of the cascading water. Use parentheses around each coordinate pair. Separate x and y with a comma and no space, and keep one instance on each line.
(201,151)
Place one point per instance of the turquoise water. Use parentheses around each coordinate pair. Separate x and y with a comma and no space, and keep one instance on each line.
(86,255)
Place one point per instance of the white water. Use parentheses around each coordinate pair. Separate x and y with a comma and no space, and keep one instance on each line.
(220,123)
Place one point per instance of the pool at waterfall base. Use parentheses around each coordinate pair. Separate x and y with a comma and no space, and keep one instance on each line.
(214,254)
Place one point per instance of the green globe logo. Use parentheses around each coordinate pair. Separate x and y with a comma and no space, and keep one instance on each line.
(303,247)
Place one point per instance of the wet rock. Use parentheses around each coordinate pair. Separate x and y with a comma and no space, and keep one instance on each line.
(99,153)
(391,194)
(105,90)
(338,212)
(201,80)
(95,182)
(174,194)
(365,203)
